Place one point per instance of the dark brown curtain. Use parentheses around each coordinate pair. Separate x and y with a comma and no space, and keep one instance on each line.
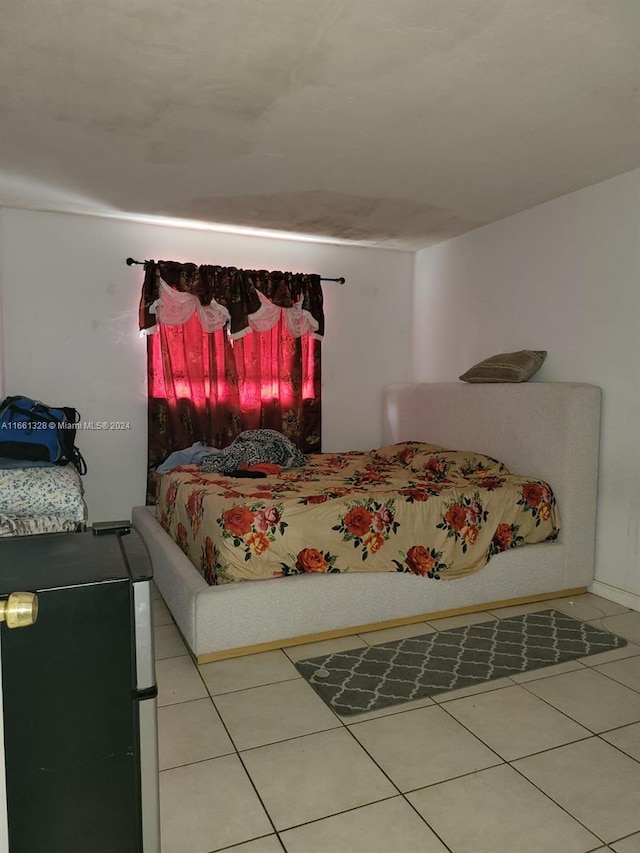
(234,289)
(204,386)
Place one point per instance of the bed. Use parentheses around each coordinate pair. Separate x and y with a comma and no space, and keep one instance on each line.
(41,499)
(548,431)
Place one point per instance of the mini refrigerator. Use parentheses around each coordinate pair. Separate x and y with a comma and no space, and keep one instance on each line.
(79,711)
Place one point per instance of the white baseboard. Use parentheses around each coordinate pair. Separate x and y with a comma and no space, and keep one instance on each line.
(613,593)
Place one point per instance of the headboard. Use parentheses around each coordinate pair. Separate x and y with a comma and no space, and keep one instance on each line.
(550,430)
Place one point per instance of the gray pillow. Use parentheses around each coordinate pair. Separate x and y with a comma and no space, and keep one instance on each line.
(506,367)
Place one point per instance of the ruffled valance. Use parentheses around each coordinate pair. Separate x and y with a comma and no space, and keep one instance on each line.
(241,300)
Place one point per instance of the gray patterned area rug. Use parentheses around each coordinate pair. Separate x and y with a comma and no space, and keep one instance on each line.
(374,677)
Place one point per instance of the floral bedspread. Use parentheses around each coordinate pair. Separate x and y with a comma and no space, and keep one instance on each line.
(32,525)
(410,507)
(52,491)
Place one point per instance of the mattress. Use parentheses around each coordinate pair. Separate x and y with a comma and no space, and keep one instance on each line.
(411,508)
(48,499)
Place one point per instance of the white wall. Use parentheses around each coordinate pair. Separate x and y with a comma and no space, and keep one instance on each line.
(71,335)
(563,277)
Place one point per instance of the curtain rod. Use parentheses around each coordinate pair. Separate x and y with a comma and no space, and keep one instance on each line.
(131,261)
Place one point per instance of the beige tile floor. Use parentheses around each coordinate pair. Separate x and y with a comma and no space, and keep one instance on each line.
(253,761)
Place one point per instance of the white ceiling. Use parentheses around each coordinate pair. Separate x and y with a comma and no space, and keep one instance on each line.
(397,123)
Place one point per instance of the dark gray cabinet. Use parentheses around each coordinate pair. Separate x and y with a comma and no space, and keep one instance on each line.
(78,694)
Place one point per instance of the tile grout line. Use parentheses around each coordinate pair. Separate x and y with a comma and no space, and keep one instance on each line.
(619,748)
(442,704)
(508,763)
(568,716)
(247,774)
(401,793)
(253,687)
(559,805)
(530,754)
(250,841)
(237,753)
(344,812)
(501,762)
(615,680)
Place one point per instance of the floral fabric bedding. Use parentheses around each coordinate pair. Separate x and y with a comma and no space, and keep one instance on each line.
(32,525)
(411,507)
(40,500)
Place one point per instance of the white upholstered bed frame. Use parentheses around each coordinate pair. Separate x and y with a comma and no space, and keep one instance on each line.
(549,430)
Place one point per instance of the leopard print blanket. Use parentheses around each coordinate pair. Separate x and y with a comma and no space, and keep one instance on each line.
(252,447)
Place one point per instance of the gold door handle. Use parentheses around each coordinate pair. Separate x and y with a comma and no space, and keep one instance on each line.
(19,610)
